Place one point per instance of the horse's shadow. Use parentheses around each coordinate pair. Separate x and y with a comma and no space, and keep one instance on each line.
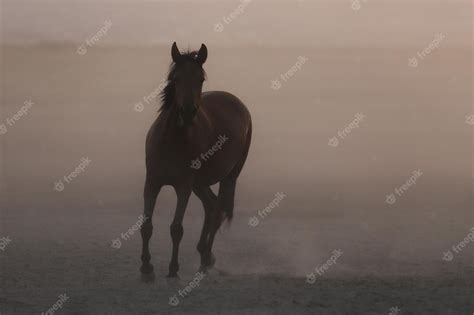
(147,278)
(151,277)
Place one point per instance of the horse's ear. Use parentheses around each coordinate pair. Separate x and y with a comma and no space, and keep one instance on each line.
(202,54)
(175,54)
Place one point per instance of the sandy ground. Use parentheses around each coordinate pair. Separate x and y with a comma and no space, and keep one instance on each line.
(250,277)
(264,294)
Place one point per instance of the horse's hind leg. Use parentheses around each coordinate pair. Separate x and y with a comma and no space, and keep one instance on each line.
(228,184)
(150,194)
(225,207)
(209,200)
(225,202)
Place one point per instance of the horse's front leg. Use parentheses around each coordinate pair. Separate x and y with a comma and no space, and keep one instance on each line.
(176,229)
(150,194)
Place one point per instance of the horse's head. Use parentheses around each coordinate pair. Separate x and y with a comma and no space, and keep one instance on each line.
(187,77)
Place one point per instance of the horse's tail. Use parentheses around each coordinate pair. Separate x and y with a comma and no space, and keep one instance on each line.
(229,210)
(226,199)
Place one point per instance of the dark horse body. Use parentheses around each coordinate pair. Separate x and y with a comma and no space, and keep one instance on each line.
(198,140)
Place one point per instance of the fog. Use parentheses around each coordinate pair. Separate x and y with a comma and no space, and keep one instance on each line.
(257,22)
(356,62)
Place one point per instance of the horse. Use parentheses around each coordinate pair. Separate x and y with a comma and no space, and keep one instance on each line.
(198,139)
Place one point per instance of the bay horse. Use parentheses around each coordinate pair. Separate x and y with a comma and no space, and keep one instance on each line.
(198,139)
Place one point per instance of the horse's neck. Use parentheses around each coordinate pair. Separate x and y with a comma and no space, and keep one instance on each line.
(170,123)
(172,119)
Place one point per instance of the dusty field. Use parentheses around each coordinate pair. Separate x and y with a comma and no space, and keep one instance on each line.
(76,259)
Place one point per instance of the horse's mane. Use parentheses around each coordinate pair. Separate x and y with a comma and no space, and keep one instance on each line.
(167,94)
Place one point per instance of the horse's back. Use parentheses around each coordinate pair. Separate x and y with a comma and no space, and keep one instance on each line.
(226,110)
(221,100)
(229,118)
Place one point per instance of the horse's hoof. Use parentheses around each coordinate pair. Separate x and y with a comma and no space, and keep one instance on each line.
(212,261)
(172,274)
(208,262)
(146,269)
(147,277)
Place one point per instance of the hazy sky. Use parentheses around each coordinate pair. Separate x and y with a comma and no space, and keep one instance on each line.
(291,22)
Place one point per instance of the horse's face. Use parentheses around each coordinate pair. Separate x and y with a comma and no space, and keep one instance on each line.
(188,80)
